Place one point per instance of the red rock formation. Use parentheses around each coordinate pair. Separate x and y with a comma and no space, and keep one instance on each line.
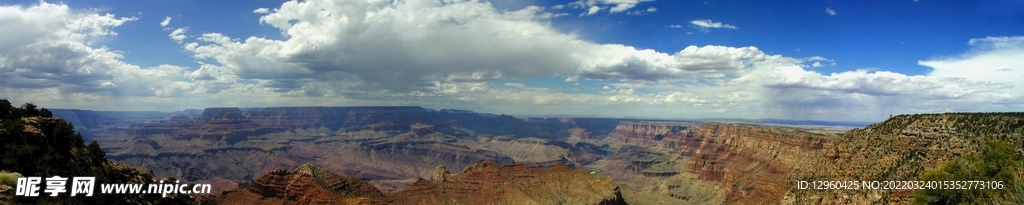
(308,184)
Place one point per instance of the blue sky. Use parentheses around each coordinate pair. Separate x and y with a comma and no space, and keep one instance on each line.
(811,60)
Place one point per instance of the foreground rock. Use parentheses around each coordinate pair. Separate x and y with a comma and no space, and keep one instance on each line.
(307,184)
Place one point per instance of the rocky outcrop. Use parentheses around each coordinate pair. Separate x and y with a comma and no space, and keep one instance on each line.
(441,174)
(900,149)
(307,184)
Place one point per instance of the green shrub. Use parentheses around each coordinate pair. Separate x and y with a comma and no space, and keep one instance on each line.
(998,161)
(9,178)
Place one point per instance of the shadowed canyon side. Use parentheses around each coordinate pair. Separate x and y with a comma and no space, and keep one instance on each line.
(484,183)
(901,149)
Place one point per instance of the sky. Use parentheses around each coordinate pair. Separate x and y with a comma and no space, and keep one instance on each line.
(802,60)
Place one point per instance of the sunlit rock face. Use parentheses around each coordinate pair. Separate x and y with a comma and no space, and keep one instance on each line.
(749,162)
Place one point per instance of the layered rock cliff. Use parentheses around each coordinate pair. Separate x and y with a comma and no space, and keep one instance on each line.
(749,161)
(642,133)
(712,163)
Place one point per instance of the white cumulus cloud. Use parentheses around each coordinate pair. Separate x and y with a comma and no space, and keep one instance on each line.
(165,22)
(707,23)
(410,46)
(992,59)
(613,6)
(178,35)
(60,63)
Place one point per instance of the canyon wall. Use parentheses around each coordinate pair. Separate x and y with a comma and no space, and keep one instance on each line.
(749,162)
(710,163)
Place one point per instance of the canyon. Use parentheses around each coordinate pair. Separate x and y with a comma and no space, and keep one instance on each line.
(407,154)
